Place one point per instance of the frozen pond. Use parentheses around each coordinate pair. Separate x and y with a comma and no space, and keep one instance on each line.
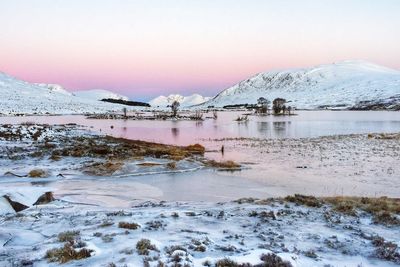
(305,124)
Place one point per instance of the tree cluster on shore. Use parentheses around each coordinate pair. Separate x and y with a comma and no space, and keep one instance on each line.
(279,107)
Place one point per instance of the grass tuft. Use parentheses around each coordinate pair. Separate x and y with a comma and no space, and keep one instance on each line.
(126,225)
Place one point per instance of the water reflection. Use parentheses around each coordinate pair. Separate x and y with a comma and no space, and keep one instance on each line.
(175,132)
(280,128)
(306,124)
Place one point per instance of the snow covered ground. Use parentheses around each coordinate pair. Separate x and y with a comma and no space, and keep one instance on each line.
(339,85)
(197,234)
(185,101)
(20,97)
(99,94)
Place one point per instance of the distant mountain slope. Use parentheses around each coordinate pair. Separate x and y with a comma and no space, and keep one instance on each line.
(99,94)
(345,84)
(185,101)
(19,97)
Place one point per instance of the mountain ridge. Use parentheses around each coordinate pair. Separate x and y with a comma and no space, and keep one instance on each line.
(344,84)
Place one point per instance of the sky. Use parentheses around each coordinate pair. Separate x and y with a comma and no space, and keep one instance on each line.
(146,48)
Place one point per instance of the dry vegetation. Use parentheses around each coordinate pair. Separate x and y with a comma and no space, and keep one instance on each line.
(38,173)
(229,164)
(67,253)
(57,142)
(73,249)
(384,210)
(144,246)
(268,260)
(130,226)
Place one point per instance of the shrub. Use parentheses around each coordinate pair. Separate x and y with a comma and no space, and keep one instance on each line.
(67,253)
(68,236)
(126,225)
(144,246)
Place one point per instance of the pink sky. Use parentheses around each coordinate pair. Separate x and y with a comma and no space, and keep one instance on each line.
(147,48)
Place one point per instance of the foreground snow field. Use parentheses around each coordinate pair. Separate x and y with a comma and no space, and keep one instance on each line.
(197,234)
(339,85)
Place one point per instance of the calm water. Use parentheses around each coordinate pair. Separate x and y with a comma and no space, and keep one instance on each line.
(260,180)
(305,124)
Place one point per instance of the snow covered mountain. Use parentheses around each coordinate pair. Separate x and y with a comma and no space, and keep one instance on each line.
(54,88)
(345,85)
(185,101)
(20,97)
(99,94)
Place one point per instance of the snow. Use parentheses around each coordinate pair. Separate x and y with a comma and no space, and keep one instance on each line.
(342,84)
(99,94)
(20,97)
(54,88)
(224,230)
(185,101)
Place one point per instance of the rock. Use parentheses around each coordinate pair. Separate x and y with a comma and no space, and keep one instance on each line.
(15,205)
(45,198)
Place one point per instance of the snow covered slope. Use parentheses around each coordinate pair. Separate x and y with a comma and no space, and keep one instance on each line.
(185,101)
(54,88)
(343,84)
(18,97)
(99,94)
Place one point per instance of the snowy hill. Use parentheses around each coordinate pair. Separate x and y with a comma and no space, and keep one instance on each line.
(345,84)
(185,101)
(19,97)
(99,94)
(54,88)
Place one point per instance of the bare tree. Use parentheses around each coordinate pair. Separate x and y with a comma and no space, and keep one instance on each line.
(262,104)
(175,107)
(125,111)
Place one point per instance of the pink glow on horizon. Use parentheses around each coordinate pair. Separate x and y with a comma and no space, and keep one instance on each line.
(142,48)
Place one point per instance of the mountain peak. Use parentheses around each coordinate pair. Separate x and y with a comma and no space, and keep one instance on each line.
(343,84)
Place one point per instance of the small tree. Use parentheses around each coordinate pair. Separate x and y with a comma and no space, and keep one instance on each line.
(125,111)
(175,107)
(278,105)
(262,104)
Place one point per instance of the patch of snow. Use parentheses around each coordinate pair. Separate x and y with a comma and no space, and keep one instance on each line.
(185,101)
(99,94)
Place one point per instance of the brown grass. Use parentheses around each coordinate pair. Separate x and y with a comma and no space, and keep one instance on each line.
(38,173)
(309,201)
(371,205)
(126,225)
(196,149)
(229,164)
(68,236)
(67,253)
(381,208)
(144,246)
(102,168)
(148,164)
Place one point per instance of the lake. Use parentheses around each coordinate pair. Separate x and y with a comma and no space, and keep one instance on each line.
(265,175)
(304,124)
